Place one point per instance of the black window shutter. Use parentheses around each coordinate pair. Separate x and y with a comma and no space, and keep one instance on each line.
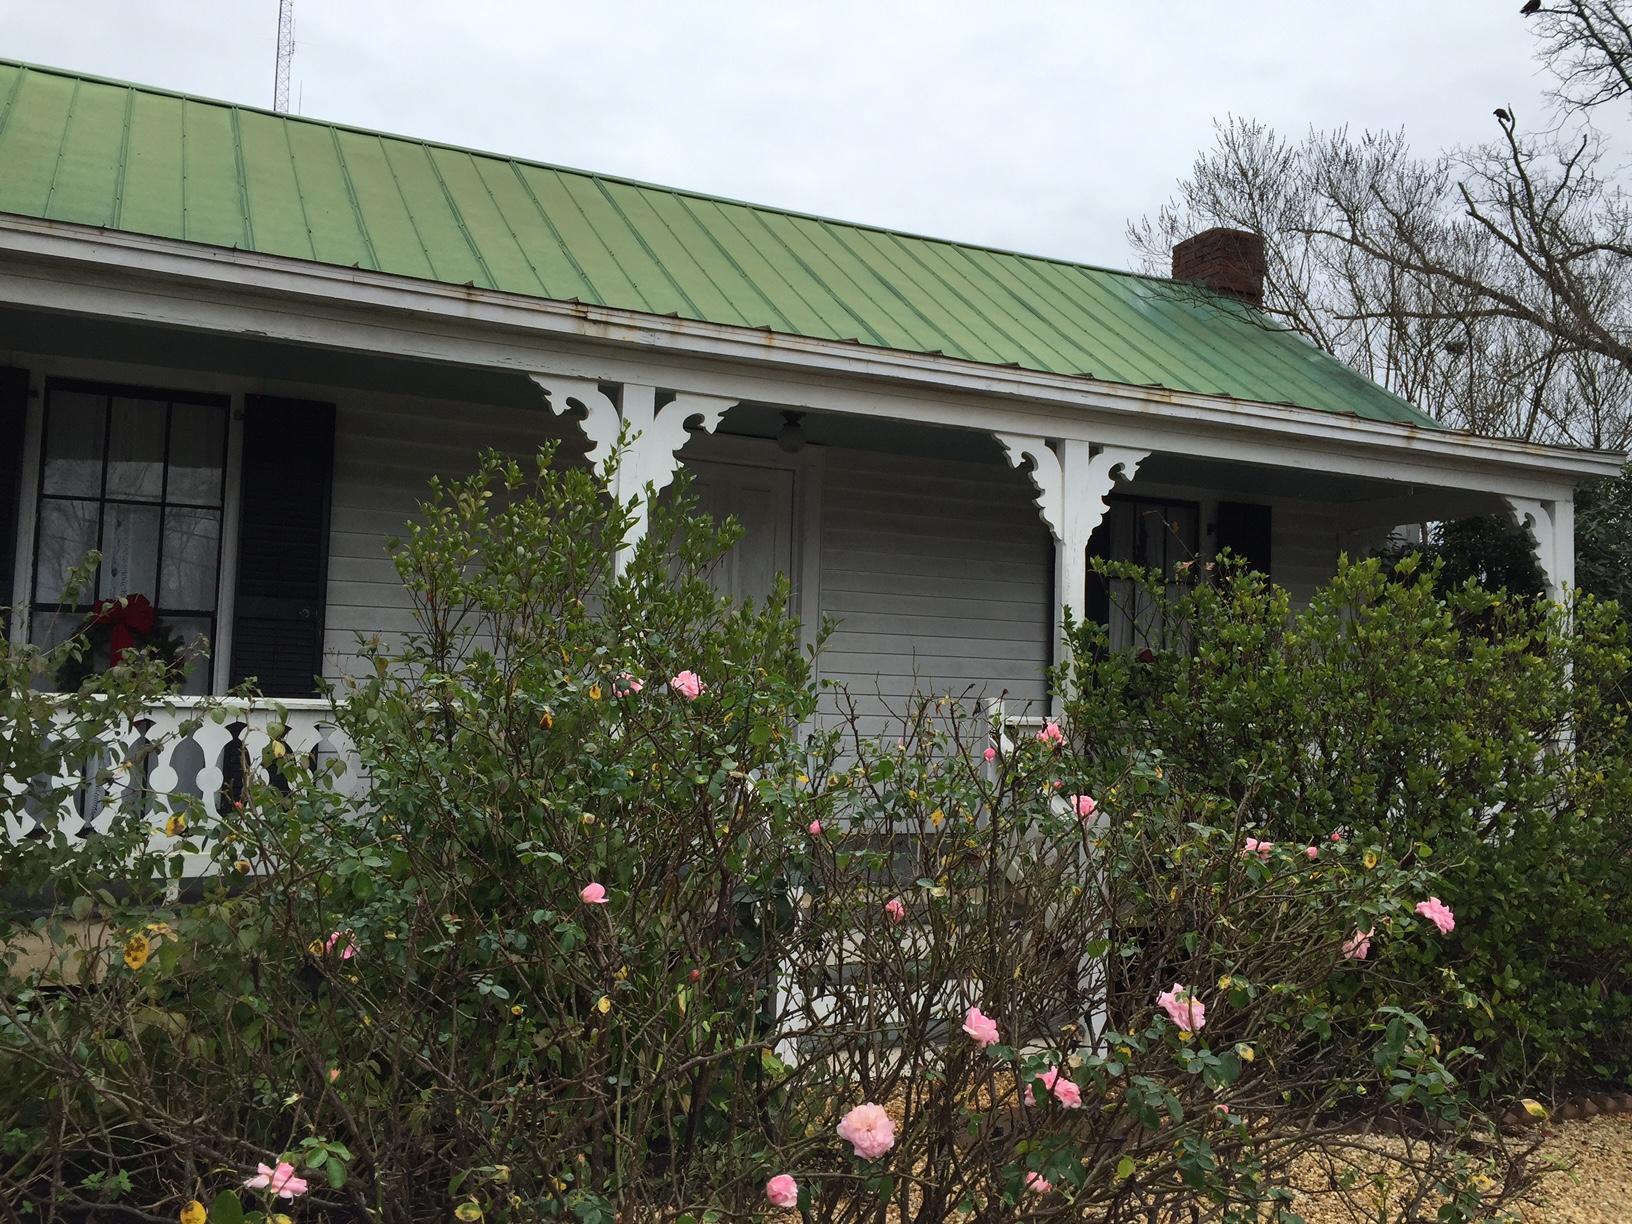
(1244,528)
(13,414)
(283,545)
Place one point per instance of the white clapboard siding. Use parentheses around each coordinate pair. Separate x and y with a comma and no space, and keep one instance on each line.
(386,449)
(939,574)
(1303,547)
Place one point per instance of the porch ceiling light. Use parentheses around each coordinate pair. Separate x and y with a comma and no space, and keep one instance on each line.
(791,438)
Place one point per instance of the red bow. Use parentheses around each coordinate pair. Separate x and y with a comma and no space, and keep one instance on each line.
(125,618)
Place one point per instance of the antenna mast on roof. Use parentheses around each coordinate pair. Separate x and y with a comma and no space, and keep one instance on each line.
(286,53)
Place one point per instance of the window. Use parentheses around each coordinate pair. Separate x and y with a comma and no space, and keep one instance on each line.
(139,476)
(1155,534)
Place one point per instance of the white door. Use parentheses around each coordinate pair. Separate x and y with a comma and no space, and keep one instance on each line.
(761,499)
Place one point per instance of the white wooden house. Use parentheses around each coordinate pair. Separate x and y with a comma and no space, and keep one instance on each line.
(236,345)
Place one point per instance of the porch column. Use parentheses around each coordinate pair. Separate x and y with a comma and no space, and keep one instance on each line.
(1551,527)
(1072,479)
(644,436)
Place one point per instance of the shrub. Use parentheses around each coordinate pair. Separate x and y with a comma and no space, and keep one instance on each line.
(611,938)
(1484,732)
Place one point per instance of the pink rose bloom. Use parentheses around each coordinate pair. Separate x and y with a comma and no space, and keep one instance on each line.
(1183,1008)
(593,894)
(868,1129)
(1222,1109)
(1261,848)
(688,684)
(1063,1087)
(1311,853)
(626,684)
(815,829)
(346,953)
(281,1180)
(989,755)
(1084,805)
(1358,945)
(895,908)
(1037,1183)
(1438,913)
(980,1026)
(1337,835)
(783,1191)
(1051,736)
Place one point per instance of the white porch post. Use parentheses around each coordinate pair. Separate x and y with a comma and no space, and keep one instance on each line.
(1551,526)
(1072,479)
(651,454)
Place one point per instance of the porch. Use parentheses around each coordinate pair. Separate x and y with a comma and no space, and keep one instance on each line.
(942,534)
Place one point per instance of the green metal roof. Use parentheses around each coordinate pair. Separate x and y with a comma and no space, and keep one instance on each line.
(125,157)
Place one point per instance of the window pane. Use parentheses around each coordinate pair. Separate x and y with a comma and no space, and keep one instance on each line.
(67,533)
(197,444)
(73,443)
(136,449)
(191,634)
(130,550)
(192,540)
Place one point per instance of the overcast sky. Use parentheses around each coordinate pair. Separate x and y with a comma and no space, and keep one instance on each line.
(1041,126)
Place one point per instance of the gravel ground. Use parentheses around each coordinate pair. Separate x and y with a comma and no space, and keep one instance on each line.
(1589,1182)
(1595,1187)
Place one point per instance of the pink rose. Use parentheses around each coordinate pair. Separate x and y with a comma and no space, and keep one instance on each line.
(688,684)
(281,1181)
(1438,913)
(1311,853)
(989,755)
(896,909)
(1337,835)
(980,1026)
(1358,945)
(783,1191)
(626,684)
(1183,1008)
(1084,805)
(592,894)
(1037,1183)
(868,1129)
(347,952)
(1261,848)
(1063,1087)
(1051,736)
(815,829)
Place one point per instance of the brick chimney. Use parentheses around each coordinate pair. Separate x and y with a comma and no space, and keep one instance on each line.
(1227,261)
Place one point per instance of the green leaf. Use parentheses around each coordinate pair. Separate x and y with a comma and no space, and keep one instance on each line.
(226,1209)
(1124,1168)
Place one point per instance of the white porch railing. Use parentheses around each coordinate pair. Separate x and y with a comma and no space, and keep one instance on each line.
(180,748)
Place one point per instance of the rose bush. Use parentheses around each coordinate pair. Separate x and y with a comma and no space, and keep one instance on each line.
(623,929)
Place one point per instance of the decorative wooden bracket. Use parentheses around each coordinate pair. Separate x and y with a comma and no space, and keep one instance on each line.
(652,436)
(1040,463)
(1072,481)
(1551,527)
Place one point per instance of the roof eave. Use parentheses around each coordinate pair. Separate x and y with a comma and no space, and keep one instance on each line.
(30,236)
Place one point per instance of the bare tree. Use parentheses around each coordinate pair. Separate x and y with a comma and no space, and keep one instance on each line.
(1491,286)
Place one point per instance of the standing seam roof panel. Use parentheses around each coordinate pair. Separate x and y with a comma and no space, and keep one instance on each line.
(152,190)
(80,149)
(766,247)
(389,226)
(326,205)
(483,224)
